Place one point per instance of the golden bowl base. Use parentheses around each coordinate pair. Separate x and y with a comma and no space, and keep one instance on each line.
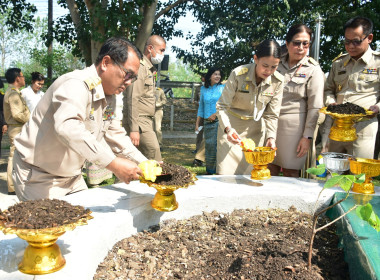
(44,260)
(164,202)
(362,199)
(343,131)
(366,188)
(260,172)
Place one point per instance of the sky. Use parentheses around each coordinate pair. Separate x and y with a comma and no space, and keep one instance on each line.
(186,24)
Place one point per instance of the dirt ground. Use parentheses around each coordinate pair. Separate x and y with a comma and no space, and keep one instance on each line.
(246,244)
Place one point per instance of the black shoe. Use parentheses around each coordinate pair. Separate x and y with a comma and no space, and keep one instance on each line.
(197,163)
(11,193)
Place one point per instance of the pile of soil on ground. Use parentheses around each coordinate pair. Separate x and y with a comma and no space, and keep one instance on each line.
(42,213)
(346,108)
(185,114)
(176,175)
(246,244)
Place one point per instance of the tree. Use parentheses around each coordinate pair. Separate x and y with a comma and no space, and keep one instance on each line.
(92,21)
(231,29)
(19,14)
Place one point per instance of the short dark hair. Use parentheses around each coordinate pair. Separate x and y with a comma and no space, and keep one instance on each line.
(117,49)
(268,47)
(12,74)
(209,73)
(298,28)
(37,76)
(364,22)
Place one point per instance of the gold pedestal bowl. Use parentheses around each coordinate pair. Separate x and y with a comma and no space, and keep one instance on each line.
(164,199)
(43,255)
(260,158)
(343,129)
(370,167)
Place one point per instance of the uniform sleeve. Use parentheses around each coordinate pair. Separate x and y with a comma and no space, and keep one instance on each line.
(19,110)
(225,101)
(120,144)
(330,89)
(70,103)
(133,94)
(272,112)
(201,104)
(314,90)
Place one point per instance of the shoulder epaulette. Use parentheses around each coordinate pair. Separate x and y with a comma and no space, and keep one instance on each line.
(278,76)
(339,56)
(312,61)
(93,82)
(241,71)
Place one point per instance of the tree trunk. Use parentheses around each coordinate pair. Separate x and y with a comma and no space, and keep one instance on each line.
(146,26)
(83,39)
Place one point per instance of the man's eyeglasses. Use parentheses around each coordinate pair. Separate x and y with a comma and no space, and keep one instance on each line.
(129,75)
(305,44)
(355,42)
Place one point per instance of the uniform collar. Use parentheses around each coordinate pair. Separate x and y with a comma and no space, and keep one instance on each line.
(98,90)
(148,63)
(285,58)
(366,57)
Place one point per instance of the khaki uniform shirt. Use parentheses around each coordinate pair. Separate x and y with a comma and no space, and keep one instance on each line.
(140,98)
(68,125)
(16,113)
(160,98)
(244,99)
(303,90)
(355,81)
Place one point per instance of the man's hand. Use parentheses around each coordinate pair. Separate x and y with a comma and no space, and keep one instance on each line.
(135,138)
(5,129)
(233,136)
(303,147)
(271,143)
(374,109)
(124,169)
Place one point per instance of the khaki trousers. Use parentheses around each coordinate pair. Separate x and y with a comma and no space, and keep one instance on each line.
(12,133)
(158,115)
(149,145)
(33,183)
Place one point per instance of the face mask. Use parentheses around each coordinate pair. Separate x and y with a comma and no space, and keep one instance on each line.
(157,59)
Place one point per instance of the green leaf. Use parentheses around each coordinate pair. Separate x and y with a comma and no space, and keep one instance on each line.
(340,181)
(359,178)
(318,170)
(366,213)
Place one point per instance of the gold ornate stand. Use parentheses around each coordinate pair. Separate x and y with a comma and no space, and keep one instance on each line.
(260,158)
(43,255)
(164,199)
(343,129)
(371,168)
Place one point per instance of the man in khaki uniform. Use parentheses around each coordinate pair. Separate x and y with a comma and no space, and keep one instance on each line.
(354,77)
(71,123)
(251,111)
(16,113)
(159,114)
(140,101)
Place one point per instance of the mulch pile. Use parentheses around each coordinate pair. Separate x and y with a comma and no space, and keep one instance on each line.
(246,244)
(42,213)
(176,175)
(346,108)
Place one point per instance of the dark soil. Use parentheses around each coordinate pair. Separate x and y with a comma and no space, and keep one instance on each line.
(42,213)
(176,175)
(246,244)
(346,108)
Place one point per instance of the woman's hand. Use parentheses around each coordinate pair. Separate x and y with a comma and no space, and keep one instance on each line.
(303,147)
(212,117)
(374,109)
(271,143)
(233,136)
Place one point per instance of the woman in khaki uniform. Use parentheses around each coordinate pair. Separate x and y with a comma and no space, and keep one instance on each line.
(249,108)
(302,99)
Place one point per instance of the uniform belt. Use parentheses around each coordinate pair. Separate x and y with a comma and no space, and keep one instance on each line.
(240,116)
(146,116)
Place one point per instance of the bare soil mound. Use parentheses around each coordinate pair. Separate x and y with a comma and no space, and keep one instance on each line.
(246,244)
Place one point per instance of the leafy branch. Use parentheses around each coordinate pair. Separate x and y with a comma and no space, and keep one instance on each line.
(345,182)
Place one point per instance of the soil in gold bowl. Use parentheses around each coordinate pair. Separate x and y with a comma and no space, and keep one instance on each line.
(174,177)
(40,223)
(345,115)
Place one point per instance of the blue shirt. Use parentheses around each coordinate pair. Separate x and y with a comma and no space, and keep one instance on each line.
(207,102)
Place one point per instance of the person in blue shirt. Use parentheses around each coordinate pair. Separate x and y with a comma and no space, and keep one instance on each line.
(210,94)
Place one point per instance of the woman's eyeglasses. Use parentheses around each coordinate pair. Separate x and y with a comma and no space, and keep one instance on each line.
(305,44)
(355,42)
(129,75)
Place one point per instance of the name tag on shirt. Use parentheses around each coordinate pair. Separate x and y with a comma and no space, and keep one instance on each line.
(245,87)
(300,75)
(109,114)
(268,93)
